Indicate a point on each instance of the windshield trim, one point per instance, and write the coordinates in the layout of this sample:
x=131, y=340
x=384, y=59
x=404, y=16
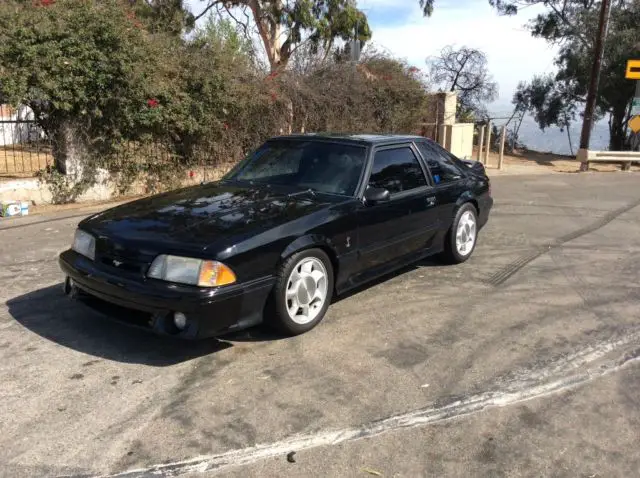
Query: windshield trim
x=231, y=175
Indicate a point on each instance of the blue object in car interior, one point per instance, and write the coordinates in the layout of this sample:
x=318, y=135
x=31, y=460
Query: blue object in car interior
x=436, y=178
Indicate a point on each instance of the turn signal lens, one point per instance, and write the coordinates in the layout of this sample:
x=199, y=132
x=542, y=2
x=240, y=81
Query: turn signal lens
x=214, y=274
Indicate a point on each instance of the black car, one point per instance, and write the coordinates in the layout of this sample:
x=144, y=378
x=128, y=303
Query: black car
x=299, y=220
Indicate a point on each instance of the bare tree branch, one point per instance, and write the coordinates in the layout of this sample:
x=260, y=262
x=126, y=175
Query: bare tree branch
x=245, y=26
x=464, y=71
x=207, y=9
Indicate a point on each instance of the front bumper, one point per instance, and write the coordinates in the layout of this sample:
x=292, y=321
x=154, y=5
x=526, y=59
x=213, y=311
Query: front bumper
x=210, y=312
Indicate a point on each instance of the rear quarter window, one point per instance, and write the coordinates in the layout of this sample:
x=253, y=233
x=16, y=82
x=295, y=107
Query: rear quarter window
x=443, y=166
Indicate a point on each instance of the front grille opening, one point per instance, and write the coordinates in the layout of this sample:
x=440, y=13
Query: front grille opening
x=133, y=317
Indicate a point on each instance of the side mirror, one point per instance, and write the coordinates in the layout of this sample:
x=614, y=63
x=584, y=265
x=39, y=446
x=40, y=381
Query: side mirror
x=376, y=195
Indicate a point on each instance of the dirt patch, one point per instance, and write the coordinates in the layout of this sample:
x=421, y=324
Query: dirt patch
x=525, y=162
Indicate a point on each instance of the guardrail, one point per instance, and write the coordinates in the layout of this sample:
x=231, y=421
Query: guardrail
x=624, y=158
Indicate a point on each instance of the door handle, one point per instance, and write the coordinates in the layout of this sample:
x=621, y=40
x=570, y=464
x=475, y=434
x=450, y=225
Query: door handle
x=431, y=201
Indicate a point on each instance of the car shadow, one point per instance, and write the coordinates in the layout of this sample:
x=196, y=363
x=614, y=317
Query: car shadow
x=50, y=314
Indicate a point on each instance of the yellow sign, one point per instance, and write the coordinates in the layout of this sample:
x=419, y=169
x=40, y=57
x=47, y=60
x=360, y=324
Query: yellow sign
x=633, y=70
x=634, y=124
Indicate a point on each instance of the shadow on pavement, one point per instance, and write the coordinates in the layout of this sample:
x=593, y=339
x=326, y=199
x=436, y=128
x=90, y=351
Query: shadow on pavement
x=73, y=324
x=50, y=314
x=427, y=262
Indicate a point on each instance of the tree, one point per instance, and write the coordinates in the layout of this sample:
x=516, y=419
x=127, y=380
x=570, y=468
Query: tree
x=96, y=78
x=223, y=35
x=545, y=99
x=572, y=25
x=427, y=7
x=283, y=25
x=83, y=67
x=502, y=5
x=464, y=71
x=163, y=16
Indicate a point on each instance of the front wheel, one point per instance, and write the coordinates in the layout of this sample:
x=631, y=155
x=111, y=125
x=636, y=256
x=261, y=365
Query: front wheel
x=461, y=239
x=303, y=291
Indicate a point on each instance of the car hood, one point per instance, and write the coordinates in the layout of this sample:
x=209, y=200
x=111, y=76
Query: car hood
x=198, y=217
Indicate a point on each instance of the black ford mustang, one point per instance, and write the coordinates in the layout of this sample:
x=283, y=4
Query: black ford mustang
x=299, y=220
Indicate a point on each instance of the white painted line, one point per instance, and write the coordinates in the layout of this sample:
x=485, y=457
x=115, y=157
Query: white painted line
x=524, y=386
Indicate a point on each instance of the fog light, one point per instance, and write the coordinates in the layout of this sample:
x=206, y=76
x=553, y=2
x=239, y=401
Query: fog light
x=180, y=320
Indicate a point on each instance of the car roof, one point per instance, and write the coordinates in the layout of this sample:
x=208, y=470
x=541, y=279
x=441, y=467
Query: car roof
x=367, y=139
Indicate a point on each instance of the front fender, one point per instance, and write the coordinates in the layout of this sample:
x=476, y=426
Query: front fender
x=306, y=242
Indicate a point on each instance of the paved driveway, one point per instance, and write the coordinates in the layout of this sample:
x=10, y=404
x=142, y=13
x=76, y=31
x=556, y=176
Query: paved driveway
x=521, y=362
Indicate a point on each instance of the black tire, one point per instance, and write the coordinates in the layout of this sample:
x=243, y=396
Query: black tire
x=451, y=254
x=279, y=315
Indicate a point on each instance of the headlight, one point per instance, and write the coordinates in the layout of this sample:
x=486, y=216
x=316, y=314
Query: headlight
x=85, y=244
x=185, y=270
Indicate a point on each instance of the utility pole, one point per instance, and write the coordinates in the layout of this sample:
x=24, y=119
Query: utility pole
x=587, y=123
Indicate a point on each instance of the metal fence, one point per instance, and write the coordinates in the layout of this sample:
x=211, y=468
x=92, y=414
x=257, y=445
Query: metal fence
x=24, y=147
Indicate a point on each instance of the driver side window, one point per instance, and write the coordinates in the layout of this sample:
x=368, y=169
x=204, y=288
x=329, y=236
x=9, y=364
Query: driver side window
x=396, y=170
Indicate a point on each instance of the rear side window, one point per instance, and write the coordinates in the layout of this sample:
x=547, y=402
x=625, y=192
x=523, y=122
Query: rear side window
x=442, y=167
x=396, y=170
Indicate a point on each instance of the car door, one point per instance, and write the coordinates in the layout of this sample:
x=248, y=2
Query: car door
x=448, y=181
x=403, y=225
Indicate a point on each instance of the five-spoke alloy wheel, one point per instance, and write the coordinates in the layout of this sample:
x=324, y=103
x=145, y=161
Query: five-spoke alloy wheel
x=303, y=291
x=461, y=239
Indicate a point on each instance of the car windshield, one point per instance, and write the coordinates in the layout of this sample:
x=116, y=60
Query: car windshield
x=321, y=166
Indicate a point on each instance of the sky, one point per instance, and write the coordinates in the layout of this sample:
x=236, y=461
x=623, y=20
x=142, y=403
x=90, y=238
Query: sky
x=513, y=54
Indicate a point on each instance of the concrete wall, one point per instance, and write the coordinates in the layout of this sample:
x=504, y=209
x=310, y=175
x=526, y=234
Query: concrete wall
x=24, y=190
x=459, y=140
x=33, y=190
x=449, y=107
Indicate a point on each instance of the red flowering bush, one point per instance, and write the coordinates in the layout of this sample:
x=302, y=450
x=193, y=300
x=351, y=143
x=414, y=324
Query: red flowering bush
x=179, y=101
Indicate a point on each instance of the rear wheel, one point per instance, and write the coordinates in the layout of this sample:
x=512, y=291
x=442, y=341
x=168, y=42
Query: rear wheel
x=462, y=237
x=303, y=291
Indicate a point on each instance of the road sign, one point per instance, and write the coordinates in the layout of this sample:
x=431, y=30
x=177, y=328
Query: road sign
x=633, y=70
x=634, y=124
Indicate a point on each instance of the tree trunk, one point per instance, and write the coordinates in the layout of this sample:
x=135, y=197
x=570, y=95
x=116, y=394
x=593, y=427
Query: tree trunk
x=569, y=138
x=70, y=150
x=270, y=31
x=617, y=129
x=568, y=126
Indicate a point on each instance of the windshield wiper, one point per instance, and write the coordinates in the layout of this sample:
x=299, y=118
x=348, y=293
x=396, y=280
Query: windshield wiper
x=299, y=193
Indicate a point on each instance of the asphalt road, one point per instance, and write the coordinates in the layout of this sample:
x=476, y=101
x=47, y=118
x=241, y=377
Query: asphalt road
x=521, y=362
